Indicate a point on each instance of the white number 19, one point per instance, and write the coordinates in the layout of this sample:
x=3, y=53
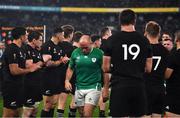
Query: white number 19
x=129, y=49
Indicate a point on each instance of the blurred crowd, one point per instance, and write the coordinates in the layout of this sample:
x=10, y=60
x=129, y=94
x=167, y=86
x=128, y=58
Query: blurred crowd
x=87, y=23
x=96, y=3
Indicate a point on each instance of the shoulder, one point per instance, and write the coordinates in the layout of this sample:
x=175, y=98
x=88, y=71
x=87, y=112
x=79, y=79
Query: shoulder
x=98, y=51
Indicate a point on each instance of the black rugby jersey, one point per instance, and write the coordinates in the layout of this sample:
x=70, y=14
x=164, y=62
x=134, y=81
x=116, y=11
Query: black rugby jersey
x=174, y=63
x=52, y=49
x=103, y=44
x=67, y=47
x=13, y=55
x=36, y=56
x=128, y=51
x=156, y=77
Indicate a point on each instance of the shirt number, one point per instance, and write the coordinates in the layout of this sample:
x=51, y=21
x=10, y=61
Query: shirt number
x=158, y=58
x=130, y=51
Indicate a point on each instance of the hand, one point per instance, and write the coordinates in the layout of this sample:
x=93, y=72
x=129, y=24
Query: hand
x=105, y=94
x=65, y=59
x=49, y=63
x=34, y=67
x=68, y=85
x=47, y=58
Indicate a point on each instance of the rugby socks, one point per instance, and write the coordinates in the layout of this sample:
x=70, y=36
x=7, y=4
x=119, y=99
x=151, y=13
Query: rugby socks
x=60, y=113
x=45, y=113
x=72, y=112
x=51, y=112
x=101, y=113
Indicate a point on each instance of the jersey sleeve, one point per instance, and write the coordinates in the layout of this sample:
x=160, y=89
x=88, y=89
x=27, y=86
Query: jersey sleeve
x=101, y=56
x=171, y=60
x=28, y=53
x=11, y=56
x=108, y=47
x=72, y=60
x=46, y=49
x=149, y=49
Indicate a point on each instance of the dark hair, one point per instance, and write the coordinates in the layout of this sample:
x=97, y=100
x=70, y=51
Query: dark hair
x=127, y=17
x=104, y=30
x=95, y=37
x=57, y=30
x=68, y=29
x=34, y=35
x=77, y=35
x=17, y=32
x=153, y=29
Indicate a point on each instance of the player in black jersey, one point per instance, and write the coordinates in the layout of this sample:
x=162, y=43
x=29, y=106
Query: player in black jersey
x=105, y=34
x=173, y=83
x=76, y=37
x=155, y=80
x=96, y=40
x=32, y=81
x=130, y=54
x=68, y=48
x=54, y=59
x=14, y=68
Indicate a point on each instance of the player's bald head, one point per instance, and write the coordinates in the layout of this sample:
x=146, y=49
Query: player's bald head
x=85, y=39
x=85, y=44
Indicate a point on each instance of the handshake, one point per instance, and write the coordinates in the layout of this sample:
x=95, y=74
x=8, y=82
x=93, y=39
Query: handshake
x=49, y=62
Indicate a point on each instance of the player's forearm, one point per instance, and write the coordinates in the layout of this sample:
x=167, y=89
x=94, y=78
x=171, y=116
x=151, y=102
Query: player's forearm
x=53, y=63
x=106, y=80
x=19, y=71
x=69, y=74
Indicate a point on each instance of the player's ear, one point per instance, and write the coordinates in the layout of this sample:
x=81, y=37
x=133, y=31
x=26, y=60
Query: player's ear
x=145, y=33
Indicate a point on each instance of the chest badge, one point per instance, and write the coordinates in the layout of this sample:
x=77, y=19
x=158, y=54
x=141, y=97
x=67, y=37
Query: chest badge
x=93, y=60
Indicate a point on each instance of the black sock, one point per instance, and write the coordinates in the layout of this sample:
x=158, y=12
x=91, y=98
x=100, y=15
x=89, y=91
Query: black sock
x=51, y=112
x=60, y=113
x=72, y=112
x=101, y=113
x=45, y=113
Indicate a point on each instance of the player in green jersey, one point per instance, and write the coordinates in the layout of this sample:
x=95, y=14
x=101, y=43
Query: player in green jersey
x=87, y=63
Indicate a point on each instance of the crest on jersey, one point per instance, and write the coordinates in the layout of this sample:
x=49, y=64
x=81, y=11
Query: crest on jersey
x=94, y=60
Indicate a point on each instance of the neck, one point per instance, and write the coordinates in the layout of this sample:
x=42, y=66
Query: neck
x=177, y=46
x=32, y=45
x=66, y=39
x=128, y=28
x=105, y=37
x=18, y=42
x=153, y=40
x=76, y=44
x=55, y=40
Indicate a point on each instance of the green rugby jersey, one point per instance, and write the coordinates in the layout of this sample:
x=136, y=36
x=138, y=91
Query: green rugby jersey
x=87, y=68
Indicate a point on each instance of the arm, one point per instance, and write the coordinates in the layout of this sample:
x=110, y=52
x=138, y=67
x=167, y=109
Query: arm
x=168, y=73
x=47, y=59
x=106, y=64
x=16, y=70
x=69, y=74
x=106, y=68
x=148, y=65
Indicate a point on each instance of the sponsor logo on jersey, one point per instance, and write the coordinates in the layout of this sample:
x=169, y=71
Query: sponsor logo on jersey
x=13, y=104
x=29, y=101
x=48, y=92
